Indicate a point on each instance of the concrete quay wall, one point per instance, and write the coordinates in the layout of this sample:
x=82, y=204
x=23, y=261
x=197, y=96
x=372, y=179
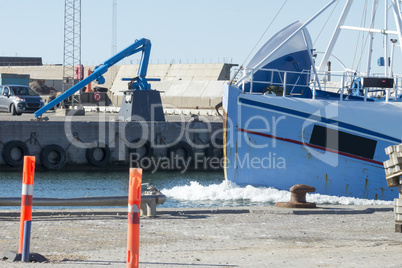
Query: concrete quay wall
x=71, y=144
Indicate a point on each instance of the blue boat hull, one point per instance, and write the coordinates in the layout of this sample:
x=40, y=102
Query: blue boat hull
x=279, y=142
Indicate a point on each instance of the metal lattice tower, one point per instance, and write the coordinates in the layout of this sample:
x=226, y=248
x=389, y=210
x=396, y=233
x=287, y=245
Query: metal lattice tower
x=72, y=46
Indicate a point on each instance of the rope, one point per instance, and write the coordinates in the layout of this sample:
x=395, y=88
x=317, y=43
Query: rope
x=241, y=66
x=330, y=15
x=365, y=42
x=362, y=22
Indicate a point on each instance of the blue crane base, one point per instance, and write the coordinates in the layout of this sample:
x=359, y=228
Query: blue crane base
x=141, y=105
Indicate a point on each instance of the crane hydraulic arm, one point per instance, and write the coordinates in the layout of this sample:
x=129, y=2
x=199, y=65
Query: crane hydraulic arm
x=143, y=45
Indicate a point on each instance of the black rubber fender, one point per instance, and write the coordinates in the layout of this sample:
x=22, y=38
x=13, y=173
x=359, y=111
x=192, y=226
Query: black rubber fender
x=104, y=160
x=146, y=144
x=53, y=156
x=181, y=145
x=141, y=155
x=214, y=149
x=7, y=153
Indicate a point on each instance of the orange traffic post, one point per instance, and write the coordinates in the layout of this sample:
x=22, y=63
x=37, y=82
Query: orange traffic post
x=26, y=198
x=133, y=227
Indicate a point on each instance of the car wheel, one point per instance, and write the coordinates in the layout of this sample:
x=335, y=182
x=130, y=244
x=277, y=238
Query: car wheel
x=13, y=110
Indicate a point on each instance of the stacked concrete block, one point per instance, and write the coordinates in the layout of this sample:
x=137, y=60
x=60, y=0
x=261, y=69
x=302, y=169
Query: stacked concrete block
x=187, y=86
x=393, y=174
x=398, y=214
x=393, y=166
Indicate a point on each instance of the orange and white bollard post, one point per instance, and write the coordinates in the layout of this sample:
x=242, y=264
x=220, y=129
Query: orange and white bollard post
x=26, y=198
x=133, y=227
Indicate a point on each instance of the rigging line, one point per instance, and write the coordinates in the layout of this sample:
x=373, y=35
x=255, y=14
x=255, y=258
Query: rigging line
x=363, y=19
x=330, y=15
x=241, y=66
x=272, y=21
x=368, y=35
x=261, y=37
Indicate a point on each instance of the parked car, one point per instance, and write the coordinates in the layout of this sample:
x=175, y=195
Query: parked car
x=18, y=99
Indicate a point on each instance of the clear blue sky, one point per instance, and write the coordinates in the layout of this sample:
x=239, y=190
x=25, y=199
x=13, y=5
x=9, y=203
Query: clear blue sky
x=201, y=31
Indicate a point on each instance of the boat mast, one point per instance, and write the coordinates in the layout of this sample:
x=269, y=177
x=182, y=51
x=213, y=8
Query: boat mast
x=335, y=36
x=398, y=21
x=371, y=30
x=391, y=65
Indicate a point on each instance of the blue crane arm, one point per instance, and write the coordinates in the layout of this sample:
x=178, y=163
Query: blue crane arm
x=143, y=45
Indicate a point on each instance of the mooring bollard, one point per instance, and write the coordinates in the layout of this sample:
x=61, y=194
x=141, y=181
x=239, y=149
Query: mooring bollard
x=298, y=197
x=26, y=198
x=150, y=199
x=133, y=226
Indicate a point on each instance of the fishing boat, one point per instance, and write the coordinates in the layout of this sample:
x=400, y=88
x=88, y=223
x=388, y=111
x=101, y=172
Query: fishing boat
x=290, y=119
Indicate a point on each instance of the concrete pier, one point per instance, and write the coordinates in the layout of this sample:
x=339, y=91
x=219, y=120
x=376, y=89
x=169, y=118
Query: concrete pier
x=99, y=140
x=329, y=236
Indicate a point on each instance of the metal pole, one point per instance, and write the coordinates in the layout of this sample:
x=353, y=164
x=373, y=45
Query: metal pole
x=391, y=71
x=397, y=17
x=342, y=86
x=26, y=242
x=100, y=201
x=335, y=35
x=386, y=39
x=284, y=83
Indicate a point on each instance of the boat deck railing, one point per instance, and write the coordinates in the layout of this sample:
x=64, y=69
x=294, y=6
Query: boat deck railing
x=340, y=84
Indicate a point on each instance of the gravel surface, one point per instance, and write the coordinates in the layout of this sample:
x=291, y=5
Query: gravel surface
x=330, y=236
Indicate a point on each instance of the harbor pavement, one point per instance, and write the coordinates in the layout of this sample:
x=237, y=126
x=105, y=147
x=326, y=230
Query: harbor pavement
x=329, y=236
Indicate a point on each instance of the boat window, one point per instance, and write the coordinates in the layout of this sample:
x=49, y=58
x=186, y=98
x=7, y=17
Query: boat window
x=343, y=142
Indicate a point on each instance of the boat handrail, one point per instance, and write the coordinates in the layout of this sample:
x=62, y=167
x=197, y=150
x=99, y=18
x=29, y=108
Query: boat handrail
x=340, y=82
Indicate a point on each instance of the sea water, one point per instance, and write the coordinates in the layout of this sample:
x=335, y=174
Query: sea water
x=190, y=189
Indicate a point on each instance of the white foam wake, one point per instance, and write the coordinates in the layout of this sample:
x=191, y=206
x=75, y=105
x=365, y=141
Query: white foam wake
x=229, y=191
